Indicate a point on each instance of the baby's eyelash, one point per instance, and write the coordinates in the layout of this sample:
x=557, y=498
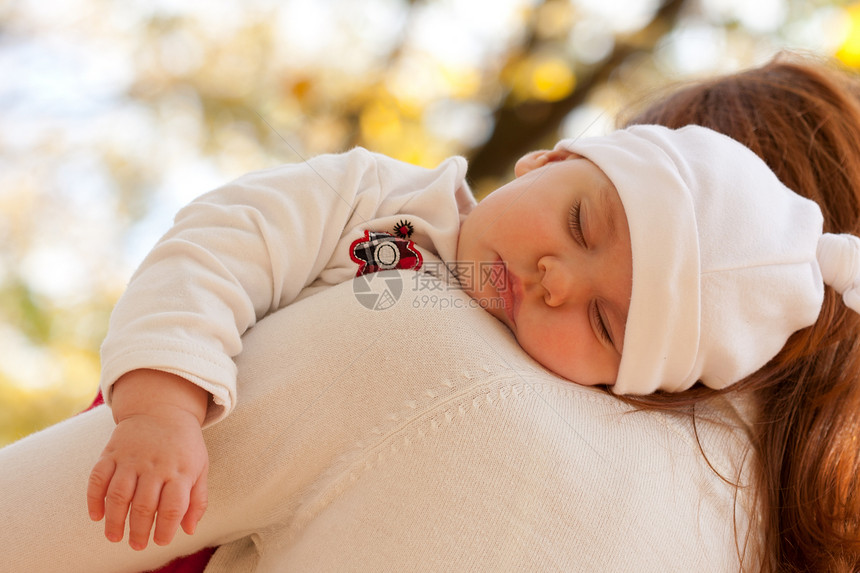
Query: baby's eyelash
x=602, y=331
x=574, y=222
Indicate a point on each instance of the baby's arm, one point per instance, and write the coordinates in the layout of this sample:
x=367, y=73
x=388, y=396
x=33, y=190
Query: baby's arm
x=154, y=466
x=233, y=256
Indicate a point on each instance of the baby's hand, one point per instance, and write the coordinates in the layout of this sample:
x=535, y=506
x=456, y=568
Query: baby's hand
x=154, y=466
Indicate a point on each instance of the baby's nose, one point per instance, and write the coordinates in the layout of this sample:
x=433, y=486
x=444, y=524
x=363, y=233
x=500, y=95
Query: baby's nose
x=557, y=280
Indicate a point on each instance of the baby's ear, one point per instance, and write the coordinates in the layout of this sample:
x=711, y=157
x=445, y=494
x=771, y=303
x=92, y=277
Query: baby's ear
x=536, y=159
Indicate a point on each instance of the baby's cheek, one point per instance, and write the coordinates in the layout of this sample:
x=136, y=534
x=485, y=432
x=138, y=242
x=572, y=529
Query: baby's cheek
x=572, y=357
x=542, y=348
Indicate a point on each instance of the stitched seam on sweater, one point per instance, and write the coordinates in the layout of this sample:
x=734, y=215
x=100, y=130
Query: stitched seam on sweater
x=365, y=456
x=403, y=433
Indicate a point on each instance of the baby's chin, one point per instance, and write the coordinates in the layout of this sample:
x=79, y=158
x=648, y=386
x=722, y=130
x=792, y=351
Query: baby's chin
x=491, y=306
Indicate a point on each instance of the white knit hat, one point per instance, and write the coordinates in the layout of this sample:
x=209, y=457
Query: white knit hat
x=726, y=261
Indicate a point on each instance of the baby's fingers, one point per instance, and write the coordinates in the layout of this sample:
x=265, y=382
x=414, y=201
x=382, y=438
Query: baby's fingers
x=117, y=501
x=97, y=487
x=142, y=511
x=171, y=509
x=197, y=506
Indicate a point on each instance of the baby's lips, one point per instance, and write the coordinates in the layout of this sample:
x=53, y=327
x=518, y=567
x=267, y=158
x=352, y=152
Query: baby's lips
x=497, y=275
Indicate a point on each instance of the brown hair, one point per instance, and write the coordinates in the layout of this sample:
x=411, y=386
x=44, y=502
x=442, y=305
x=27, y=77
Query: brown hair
x=803, y=119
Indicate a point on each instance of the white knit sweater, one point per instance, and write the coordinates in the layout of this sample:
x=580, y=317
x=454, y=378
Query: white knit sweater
x=414, y=438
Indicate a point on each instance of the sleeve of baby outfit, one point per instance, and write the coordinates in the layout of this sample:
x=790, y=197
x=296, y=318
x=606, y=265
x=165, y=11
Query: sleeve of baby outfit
x=243, y=251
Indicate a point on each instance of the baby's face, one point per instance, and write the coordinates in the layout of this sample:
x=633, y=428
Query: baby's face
x=559, y=233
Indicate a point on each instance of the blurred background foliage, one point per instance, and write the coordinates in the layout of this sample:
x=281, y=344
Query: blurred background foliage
x=114, y=114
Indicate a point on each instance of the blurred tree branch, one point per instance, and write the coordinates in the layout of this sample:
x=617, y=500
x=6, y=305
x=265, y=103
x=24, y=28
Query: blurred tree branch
x=521, y=127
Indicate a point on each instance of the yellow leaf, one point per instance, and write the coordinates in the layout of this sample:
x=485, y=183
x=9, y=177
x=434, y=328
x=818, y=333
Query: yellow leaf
x=552, y=79
x=849, y=51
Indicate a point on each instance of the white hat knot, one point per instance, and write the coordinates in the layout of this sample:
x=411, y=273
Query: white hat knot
x=839, y=259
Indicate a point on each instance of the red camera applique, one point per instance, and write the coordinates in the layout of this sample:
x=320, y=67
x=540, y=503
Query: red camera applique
x=379, y=251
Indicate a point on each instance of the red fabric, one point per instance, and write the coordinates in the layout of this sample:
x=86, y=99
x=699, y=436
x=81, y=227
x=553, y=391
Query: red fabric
x=98, y=401
x=194, y=563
